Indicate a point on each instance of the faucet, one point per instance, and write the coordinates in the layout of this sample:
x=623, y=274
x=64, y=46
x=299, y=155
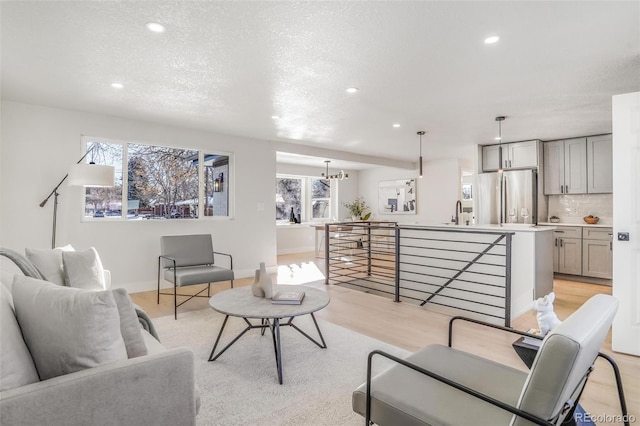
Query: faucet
x=458, y=210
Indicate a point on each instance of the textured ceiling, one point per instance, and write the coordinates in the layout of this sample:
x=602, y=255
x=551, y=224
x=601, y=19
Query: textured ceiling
x=229, y=67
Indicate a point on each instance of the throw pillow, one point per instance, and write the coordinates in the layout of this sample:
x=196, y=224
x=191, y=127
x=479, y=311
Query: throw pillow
x=67, y=329
x=16, y=365
x=129, y=324
x=83, y=269
x=48, y=262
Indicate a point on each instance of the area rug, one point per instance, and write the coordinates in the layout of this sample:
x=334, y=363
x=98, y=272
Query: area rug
x=241, y=387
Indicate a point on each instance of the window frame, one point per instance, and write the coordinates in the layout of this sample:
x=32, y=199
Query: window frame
x=85, y=140
x=306, y=210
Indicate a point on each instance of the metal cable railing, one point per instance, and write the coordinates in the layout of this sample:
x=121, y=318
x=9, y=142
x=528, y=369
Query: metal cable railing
x=466, y=270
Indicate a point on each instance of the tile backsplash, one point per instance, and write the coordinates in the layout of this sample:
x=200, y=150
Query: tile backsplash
x=571, y=208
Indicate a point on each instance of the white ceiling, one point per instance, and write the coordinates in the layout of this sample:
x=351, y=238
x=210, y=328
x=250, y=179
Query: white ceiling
x=228, y=67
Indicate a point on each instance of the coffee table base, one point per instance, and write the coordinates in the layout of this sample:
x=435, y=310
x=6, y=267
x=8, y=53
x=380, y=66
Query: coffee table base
x=274, y=326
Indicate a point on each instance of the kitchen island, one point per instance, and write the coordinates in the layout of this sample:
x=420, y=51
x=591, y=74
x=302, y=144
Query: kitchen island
x=531, y=260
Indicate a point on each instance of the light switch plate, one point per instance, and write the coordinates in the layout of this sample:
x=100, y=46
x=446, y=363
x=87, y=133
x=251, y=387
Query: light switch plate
x=623, y=236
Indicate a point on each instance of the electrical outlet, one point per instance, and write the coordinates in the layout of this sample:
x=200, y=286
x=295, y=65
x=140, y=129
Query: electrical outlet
x=623, y=236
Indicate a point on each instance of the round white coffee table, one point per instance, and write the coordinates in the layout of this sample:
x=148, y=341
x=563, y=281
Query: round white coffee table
x=240, y=302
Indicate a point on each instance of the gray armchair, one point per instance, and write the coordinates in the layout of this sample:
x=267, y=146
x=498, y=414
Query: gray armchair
x=441, y=385
x=188, y=260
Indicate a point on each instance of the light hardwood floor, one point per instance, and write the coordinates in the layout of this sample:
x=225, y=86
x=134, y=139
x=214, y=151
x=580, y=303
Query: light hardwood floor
x=412, y=327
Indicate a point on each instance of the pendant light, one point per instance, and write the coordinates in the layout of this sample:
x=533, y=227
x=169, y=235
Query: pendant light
x=340, y=176
x=500, y=119
x=420, y=133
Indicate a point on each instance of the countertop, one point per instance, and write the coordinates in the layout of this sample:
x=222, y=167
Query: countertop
x=583, y=224
x=513, y=227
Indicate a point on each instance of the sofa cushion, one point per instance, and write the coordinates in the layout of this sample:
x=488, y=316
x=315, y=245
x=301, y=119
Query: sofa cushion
x=129, y=324
x=83, y=269
x=67, y=329
x=16, y=365
x=48, y=262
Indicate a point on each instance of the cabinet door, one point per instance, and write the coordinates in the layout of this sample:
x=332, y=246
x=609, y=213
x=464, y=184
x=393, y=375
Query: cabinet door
x=599, y=164
x=523, y=155
x=556, y=254
x=575, y=166
x=597, y=258
x=490, y=158
x=570, y=256
x=553, y=167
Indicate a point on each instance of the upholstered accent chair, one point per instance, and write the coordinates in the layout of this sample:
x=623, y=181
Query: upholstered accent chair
x=442, y=385
x=189, y=260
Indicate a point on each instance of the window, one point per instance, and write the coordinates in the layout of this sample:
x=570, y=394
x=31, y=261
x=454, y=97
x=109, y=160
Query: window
x=309, y=197
x=161, y=182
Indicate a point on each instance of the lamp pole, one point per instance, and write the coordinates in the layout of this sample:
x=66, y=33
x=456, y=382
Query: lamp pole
x=55, y=194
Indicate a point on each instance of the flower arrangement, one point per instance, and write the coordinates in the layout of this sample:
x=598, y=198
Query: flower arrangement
x=358, y=209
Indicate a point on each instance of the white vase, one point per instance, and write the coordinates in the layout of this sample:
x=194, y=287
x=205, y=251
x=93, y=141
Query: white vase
x=255, y=285
x=265, y=282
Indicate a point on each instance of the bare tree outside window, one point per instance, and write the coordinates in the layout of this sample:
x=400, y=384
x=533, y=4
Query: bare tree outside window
x=288, y=195
x=161, y=182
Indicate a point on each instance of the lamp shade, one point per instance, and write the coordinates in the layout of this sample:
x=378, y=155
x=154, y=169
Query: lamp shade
x=91, y=175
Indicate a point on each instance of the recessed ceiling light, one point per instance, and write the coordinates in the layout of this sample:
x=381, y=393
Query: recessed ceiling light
x=491, y=40
x=396, y=125
x=117, y=85
x=497, y=138
x=275, y=117
x=155, y=27
x=352, y=90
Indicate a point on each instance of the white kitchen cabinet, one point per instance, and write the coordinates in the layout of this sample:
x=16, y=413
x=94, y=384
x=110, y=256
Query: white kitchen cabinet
x=490, y=158
x=567, y=250
x=565, y=166
x=516, y=155
x=597, y=252
x=599, y=164
x=522, y=155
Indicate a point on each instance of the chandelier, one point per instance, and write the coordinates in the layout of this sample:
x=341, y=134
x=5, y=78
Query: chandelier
x=340, y=176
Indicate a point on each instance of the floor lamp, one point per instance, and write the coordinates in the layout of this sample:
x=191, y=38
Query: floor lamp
x=80, y=175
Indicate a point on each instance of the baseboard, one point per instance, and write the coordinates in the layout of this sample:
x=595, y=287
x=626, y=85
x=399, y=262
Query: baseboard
x=582, y=279
x=296, y=250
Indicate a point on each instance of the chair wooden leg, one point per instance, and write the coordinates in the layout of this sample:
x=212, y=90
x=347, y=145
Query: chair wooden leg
x=231, y=283
x=208, y=289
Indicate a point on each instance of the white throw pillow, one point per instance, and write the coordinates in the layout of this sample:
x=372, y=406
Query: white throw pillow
x=48, y=262
x=67, y=329
x=129, y=325
x=16, y=365
x=83, y=269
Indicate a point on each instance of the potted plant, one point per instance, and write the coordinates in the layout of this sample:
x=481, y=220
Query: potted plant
x=358, y=209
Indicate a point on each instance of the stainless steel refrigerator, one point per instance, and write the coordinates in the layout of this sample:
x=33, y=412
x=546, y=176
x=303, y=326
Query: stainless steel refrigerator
x=508, y=197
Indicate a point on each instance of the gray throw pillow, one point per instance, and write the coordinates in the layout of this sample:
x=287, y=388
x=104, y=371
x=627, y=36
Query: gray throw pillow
x=48, y=262
x=16, y=365
x=83, y=269
x=67, y=329
x=129, y=325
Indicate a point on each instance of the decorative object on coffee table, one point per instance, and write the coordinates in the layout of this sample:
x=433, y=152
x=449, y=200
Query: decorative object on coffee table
x=265, y=282
x=256, y=289
x=288, y=298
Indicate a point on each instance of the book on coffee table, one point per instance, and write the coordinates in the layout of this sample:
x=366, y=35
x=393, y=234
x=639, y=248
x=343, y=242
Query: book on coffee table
x=288, y=298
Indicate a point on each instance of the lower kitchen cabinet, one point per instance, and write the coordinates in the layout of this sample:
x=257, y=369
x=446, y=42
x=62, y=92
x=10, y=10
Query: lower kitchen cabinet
x=583, y=251
x=569, y=256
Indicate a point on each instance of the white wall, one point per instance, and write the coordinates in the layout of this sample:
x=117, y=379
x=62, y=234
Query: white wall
x=38, y=146
x=436, y=192
x=626, y=218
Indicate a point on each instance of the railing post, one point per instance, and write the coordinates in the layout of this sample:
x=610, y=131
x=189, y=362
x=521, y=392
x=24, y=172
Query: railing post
x=397, y=265
x=507, y=283
x=326, y=253
x=369, y=249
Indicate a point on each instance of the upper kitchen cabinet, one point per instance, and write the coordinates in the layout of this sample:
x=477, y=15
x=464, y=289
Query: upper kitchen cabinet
x=517, y=155
x=578, y=166
x=565, y=166
x=599, y=164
